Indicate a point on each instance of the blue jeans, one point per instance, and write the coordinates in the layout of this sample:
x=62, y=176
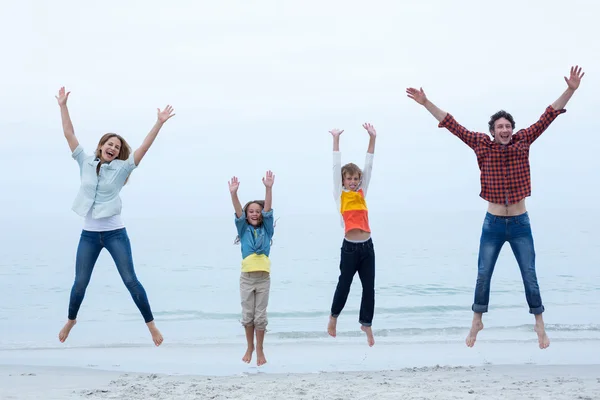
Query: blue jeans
x=356, y=257
x=517, y=232
x=118, y=245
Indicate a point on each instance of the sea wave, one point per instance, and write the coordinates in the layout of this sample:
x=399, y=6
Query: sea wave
x=184, y=315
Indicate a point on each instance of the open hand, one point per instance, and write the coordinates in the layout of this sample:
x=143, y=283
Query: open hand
x=417, y=95
x=575, y=77
x=164, y=115
x=62, y=97
x=370, y=128
x=234, y=184
x=336, y=132
x=269, y=179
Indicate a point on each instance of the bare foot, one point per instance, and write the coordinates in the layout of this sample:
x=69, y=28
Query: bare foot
x=260, y=357
x=64, y=332
x=543, y=339
x=248, y=356
x=331, y=326
x=156, y=336
x=369, y=332
x=472, y=337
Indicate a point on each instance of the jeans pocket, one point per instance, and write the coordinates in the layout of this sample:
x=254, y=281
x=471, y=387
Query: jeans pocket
x=348, y=250
x=524, y=220
x=488, y=223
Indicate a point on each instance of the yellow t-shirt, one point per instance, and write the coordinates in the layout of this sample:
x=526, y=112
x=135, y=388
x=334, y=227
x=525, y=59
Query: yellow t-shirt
x=256, y=262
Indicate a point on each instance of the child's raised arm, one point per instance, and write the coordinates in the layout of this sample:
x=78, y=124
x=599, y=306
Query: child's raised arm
x=337, y=164
x=368, y=168
x=372, y=136
x=234, y=184
x=268, y=180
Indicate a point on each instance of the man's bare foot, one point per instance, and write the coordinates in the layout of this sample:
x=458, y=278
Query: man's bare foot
x=472, y=337
x=248, y=356
x=156, y=336
x=543, y=339
x=260, y=357
x=369, y=332
x=331, y=327
x=64, y=332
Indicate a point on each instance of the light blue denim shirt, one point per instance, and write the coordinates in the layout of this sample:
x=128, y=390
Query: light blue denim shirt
x=255, y=240
x=100, y=192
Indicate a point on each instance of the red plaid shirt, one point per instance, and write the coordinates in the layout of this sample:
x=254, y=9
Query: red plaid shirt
x=505, y=175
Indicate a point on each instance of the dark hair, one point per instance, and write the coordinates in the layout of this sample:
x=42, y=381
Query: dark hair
x=497, y=116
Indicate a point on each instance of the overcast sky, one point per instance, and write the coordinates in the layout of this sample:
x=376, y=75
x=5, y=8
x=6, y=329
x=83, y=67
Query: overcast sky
x=256, y=85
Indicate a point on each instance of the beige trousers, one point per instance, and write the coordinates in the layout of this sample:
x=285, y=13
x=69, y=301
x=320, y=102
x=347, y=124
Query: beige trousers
x=254, y=292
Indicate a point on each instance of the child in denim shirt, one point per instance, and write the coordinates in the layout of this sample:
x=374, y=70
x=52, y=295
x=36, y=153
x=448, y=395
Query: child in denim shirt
x=254, y=225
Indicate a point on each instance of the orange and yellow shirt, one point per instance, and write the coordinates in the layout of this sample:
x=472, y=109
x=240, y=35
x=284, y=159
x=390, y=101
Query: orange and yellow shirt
x=352, y=204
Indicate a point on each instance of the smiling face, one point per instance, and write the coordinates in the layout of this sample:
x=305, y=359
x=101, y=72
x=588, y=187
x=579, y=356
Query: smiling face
x=112, y=147
x=254, y=214
x=501, y=127
x=110, y=150
x=503, y=130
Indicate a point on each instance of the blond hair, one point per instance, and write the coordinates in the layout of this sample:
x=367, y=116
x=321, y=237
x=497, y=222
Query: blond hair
x=351, y=169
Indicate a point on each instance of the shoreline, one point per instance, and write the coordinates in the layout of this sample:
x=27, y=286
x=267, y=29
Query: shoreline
x=303, y=357
x=437, y=382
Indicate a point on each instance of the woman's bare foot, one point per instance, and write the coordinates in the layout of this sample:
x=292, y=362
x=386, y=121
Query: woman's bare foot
x=64, y=332
x=156, y=335
x=369, y=332
x=543, y=339
x=248, y=356
x=260, y=356
x=331, y=326
x=475, y=328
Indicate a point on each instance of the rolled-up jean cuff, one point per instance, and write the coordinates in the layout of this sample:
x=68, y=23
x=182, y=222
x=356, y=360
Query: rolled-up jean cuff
x=537, y=310
x=479, y=308
x=365, y=323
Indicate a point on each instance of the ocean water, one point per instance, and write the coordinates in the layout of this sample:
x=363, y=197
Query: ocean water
x=425, y=277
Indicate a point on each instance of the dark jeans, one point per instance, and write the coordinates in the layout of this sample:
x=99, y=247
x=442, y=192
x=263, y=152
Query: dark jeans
x=517, y=232
x=356, y=257
x=117, y=244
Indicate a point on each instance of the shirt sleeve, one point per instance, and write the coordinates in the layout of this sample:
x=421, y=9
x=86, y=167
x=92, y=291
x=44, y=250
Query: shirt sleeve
x=79, y=155
x=366, y=173
x=471, y=139
x=241, y=223
x=124, y=167
x=268, y=222
x=337, y=175
x=129, y=164
x=530, y=134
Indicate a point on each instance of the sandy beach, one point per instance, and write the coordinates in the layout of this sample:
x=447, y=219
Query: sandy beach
x=580, y=382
